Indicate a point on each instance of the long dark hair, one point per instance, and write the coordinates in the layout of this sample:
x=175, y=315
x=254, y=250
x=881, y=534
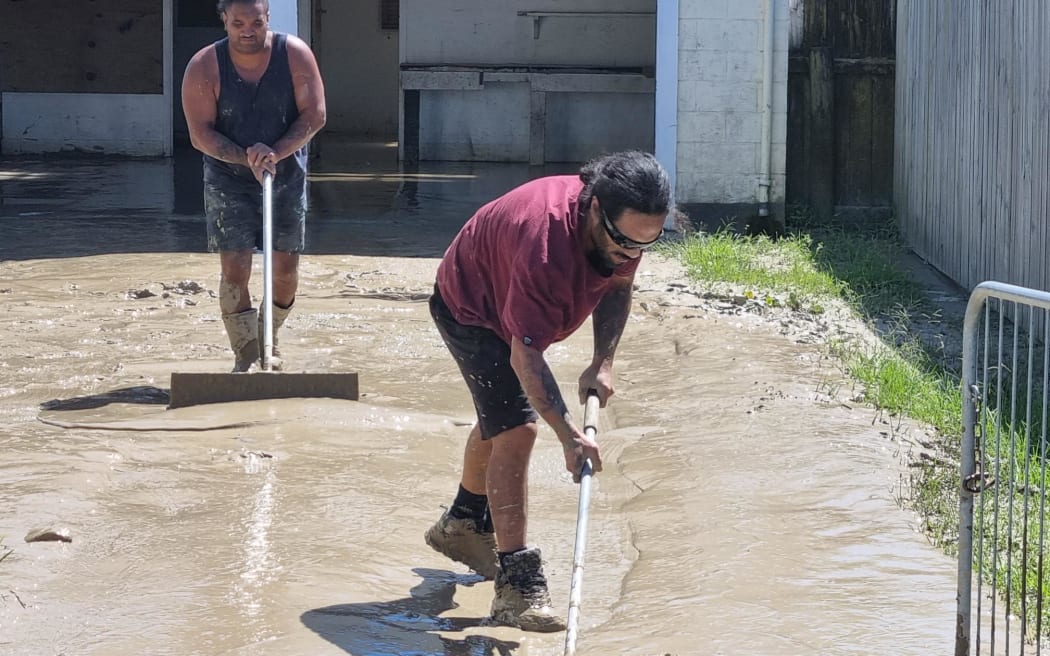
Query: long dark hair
x=630, y=179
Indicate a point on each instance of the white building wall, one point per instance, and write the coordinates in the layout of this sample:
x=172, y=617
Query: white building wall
x=122, y=124
x=110, y=123
x=528, y=33
x=509, y=96
x=116, y=124
x=721, y=48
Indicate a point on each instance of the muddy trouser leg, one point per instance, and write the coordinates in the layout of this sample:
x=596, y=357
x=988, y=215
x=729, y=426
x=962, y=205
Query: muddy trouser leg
x=242, y=329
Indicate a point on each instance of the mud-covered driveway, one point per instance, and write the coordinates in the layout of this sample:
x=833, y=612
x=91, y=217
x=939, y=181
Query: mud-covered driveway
x=746, y=506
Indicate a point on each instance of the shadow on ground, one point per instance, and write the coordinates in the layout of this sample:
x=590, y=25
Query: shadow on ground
x=906, y=301
x=140, y=395
x=409, y=625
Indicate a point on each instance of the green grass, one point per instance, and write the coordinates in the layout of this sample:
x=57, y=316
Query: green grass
x=758, y=262
x=905, y=377
x=904, y=380
x=5, y=550
x=866, y=265
x=859, y=269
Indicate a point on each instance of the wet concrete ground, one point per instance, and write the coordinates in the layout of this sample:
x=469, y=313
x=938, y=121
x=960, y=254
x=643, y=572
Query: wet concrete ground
x=744, y=508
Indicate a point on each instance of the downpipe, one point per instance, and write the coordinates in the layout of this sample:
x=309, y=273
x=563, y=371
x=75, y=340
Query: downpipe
x=765, y=181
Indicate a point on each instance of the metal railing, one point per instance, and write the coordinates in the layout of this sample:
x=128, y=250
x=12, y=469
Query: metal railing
x=1004, y=582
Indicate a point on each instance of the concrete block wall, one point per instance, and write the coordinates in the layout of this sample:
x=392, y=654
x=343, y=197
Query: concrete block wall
x=493, y=32
x=121, y=111
x=110, y=123
x=540, y=113
x=720, y=66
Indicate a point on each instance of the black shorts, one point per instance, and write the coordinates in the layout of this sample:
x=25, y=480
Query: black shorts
x=233, y=209
x=484, y=360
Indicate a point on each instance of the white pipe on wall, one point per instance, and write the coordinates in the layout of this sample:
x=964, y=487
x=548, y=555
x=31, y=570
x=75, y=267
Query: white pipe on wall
x=765, y=181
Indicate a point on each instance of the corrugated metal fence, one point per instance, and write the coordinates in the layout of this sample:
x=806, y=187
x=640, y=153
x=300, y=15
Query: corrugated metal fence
x=972, y=137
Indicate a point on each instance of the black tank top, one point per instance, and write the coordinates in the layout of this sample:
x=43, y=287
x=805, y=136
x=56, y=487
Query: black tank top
x=257, y=113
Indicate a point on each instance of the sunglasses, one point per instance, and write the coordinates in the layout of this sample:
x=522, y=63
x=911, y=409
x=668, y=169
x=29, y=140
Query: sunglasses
x=622, y=240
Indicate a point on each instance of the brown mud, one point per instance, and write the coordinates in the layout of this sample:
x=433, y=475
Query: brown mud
x=748, y=504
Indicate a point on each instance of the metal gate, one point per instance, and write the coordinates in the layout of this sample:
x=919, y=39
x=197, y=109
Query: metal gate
x=1004, y=579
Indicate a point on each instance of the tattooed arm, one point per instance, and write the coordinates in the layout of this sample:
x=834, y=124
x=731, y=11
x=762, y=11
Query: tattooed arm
x=539, y=385
x=309, y=99
x=200, y=95
x=609, y=319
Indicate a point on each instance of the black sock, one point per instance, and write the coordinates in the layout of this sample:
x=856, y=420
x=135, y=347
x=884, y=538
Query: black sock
x=468, y=505
x=504, y=554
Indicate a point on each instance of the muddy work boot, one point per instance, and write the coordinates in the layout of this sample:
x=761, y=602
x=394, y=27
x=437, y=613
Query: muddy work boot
x=241, y=329
x=462, y=541
x=522, y=599
x=279, y=316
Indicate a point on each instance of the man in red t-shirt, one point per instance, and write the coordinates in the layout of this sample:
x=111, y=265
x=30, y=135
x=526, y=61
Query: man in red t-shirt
x=526, y=271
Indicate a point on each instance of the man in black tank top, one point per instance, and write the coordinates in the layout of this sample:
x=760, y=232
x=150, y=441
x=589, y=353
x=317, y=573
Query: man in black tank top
x=252, y=102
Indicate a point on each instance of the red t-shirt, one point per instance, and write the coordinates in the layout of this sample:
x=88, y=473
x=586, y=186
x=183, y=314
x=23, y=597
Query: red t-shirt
x=519, y=265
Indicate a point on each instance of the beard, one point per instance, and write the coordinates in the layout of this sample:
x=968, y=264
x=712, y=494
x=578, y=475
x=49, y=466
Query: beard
x=601, y=262
x=248, y=47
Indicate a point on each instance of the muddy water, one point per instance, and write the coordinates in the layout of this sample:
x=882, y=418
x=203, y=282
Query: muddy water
x=742, y=510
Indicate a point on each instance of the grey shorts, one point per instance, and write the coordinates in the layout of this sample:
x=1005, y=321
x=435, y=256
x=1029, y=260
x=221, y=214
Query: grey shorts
x=233, y=209
x=484, y=360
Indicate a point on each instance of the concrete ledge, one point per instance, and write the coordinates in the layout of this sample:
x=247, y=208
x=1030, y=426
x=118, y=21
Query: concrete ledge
x=467, y=80
x=552, y=80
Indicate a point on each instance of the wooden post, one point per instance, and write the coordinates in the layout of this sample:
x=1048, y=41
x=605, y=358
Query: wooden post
x=820, y=133
x=411, y=148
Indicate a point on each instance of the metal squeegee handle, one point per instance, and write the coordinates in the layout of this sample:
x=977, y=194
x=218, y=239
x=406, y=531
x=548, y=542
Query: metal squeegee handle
x=267, y=300
x=590, y=429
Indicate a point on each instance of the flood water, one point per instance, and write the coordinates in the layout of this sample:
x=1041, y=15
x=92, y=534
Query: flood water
x=743, y=509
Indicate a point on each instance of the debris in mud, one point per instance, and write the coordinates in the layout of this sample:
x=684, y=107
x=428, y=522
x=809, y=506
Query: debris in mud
x=185, y=287
x=21, y=603
x=257, y=454
x=49, y=535
x=253, y=461
x=134, y=294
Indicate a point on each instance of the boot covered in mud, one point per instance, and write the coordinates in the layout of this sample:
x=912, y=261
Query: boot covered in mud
x=279, y=316
x=522, y=598
x=465, y=542
x=242, y=329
